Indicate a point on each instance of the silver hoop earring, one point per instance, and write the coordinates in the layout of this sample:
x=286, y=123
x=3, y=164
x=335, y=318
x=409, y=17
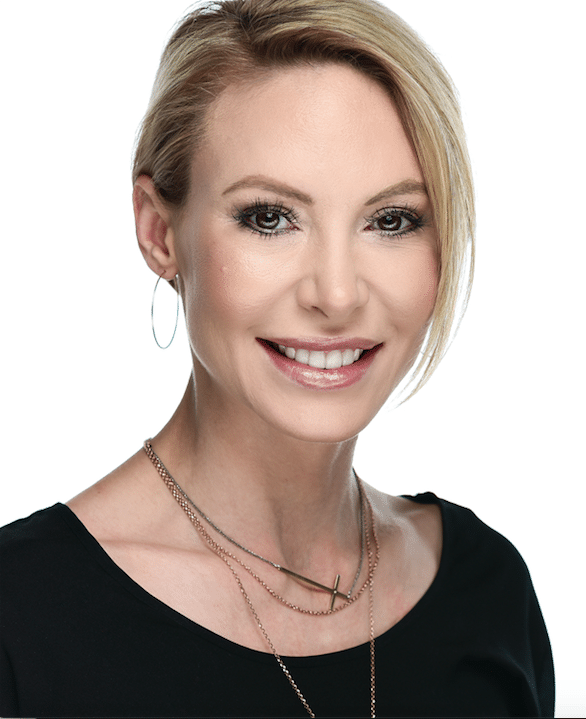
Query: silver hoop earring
x=153, y=316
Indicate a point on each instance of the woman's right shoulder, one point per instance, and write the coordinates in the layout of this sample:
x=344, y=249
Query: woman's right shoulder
x=50, y=524
x=33, y=549
x=125, y=504
x=26, y=534
x=57, y=529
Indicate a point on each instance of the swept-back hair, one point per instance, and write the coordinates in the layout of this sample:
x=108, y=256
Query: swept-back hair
x=221, y=43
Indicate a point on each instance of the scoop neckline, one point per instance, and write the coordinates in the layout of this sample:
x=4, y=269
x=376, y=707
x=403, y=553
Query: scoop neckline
x=100, y=555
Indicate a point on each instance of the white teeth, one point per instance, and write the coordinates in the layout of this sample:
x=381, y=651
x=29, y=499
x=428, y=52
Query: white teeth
x=334, y=359
x=320, y=359
x=317, y=360
x=302, y=356
x=347, y=357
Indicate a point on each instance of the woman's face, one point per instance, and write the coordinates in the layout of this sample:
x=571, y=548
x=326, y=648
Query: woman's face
x=307, y=242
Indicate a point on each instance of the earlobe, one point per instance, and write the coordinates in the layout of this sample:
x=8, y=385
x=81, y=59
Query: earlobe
x=153, y=228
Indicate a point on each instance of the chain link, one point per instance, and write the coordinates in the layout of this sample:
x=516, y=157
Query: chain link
x=186, y=504
x=269, y=561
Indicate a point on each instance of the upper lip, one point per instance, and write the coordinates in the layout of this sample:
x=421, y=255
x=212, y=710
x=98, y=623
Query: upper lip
x=325, y=344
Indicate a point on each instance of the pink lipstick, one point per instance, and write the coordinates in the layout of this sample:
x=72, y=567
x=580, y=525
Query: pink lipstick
x=320, y=378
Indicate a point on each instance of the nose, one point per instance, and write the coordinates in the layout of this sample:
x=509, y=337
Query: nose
x=332, y=282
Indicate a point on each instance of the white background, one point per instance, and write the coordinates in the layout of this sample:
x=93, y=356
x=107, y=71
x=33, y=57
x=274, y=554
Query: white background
x=499, y=428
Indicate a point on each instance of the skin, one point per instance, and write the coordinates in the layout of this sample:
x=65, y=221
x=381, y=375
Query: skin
x=267, y=458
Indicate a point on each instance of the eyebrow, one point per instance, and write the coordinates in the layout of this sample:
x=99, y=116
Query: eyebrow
x=405, y=187
x=266, y=183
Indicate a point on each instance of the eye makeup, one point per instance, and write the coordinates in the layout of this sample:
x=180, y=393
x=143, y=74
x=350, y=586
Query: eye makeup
x=265, y=218
x=397, y=214
x=271, y=219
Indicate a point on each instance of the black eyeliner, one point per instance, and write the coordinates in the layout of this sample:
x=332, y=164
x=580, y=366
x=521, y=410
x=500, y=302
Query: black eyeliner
x=243, y=214
x=417, y=220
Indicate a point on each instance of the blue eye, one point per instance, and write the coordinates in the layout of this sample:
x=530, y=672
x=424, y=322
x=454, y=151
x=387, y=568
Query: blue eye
x=265, y=219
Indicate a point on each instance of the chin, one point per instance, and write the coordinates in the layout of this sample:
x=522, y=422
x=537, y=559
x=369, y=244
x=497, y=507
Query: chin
x=320, y=426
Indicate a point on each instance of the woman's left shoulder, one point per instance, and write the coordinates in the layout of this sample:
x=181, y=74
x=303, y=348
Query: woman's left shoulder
x=451, y=531
x=389, y=509
x=419, y=524
x=475, y=549
x=424, y=516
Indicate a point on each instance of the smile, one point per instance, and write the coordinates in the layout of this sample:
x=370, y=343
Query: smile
x=320, y=359
x=326, y=365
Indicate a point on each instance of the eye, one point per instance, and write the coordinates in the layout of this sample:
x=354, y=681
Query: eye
x=391, y=223
x=396, y=222
x=266, y=219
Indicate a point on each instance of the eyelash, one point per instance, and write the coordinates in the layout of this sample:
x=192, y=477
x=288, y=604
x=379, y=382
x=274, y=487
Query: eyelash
x=406, y=212
x=243, y=218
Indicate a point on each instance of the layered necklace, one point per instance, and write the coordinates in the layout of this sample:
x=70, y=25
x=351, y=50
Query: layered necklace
x=195, y=515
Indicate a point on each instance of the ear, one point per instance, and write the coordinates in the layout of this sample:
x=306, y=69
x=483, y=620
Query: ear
x=153, y=229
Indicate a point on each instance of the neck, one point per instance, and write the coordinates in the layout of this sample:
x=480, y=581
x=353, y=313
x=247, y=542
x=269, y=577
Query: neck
x=291, y=501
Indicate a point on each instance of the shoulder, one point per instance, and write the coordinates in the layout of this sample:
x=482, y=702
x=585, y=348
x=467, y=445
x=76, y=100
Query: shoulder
x=52, y=570
x=479, y=562
x=42, y=561
x=471, y=551
x=33, y=548
x=31, y=534
x=469, y=539
x=465, y=531
x=127, y=505
x=419, y=524
x=482, y=576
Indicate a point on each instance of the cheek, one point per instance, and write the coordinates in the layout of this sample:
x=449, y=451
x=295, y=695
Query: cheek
x=412, y=288
x=227, y=286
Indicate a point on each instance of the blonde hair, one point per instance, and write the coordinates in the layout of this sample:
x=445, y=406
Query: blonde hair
x=221, y=43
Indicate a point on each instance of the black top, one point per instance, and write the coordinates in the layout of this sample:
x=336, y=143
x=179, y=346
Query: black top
x=82, y=639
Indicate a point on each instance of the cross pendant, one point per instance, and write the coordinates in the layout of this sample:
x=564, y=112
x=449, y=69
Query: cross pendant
x=333, y=590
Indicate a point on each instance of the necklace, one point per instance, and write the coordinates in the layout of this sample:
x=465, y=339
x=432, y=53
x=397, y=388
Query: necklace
x=186, y=504
x=170, y=480
x=312, y=583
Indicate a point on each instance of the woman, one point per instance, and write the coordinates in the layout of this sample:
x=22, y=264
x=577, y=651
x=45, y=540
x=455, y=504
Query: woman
x=302, y=181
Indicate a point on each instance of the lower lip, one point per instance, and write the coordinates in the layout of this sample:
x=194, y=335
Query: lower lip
x=321, y=379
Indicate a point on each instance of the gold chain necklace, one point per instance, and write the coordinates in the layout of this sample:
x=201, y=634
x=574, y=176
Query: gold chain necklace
x=186, y=504
x=168, y=478
x=305, y=580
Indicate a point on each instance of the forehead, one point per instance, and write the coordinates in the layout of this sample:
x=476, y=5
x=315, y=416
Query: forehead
x=318, y=127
